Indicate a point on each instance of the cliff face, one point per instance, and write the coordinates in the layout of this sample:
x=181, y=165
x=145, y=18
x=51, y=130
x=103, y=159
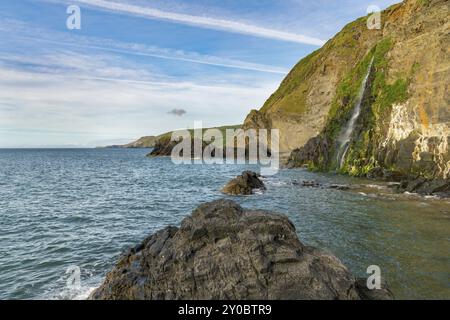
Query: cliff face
x=163, y=144
x=300, y=105
x=404, y=123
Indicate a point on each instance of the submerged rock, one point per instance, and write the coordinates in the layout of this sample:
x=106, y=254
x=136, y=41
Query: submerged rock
x=163, y=147
x=244, y=184
x=222, y=251
x=315, y=184
x=310, y=183
x=366, y=294
x=342, y=187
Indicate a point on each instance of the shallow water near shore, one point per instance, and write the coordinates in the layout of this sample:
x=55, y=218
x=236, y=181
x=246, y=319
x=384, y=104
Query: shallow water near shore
x=84, y=207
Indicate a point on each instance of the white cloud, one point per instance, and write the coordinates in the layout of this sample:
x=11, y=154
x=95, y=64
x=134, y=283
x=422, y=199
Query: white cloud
x=72, y=109
x=163, y=53
x=66, y=95
x=204, y=22
x=31, y=34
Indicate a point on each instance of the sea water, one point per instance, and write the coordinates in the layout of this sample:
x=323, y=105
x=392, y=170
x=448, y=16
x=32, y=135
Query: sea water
x=65, y=208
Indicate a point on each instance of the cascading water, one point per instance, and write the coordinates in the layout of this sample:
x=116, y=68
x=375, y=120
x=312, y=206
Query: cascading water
x=344, y=138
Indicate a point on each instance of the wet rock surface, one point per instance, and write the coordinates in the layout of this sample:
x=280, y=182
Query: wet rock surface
x=423, y=186
x=222, y=251
x=244, y=184
x=367, y=294
x=315, y=184
x=311, y=152
x=163, y=147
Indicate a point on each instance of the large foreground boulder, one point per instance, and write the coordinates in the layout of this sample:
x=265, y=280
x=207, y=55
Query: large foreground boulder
x=244, y=184
x=222, y=251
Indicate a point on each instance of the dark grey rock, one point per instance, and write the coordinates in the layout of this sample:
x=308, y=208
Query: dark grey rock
x=342, y=187
x=244, y=184
x=373, y=294
x=315, y=184
x=222, y=251
x=423, y=186
x=310, y=184
x=316, y=150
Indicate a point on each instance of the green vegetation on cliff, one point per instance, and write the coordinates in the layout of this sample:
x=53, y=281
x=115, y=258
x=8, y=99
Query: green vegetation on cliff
x=377, y=104
x=378, y=98
x=168, y=135
x=151, y=141
x=402, y=128
x=298, y=108
x=345, y=98
x=291, y=95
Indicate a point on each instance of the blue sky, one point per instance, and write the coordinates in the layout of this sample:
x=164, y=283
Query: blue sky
x=135, y=61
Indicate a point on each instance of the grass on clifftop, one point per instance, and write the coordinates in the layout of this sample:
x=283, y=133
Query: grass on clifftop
x=423, y=2
x=291, y=95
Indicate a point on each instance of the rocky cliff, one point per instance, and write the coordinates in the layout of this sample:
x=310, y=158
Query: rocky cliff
x=222, y=251
x=404, y=125
x=163, y=143
x=143, y=142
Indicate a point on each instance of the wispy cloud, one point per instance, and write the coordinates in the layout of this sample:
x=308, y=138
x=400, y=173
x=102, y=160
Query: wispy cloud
x=162, y=53
x=204, y=22
x=26, y=33
x=74, y=89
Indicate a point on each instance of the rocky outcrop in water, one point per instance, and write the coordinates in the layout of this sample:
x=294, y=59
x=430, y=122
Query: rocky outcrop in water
x=222, y=251
x=163, y=147
x=404, y=121
x=367, y=294
x=422, y=186
x=244, y=184
x=164, y=144
x=315, y=184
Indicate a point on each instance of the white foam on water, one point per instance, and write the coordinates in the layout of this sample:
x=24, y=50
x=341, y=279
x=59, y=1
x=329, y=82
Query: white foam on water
x=375, y=186
x=84, y=294
x=258, y=191
x=276, y=183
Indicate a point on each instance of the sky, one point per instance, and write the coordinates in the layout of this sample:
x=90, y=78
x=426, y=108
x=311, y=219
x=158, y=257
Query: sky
x=144, y=67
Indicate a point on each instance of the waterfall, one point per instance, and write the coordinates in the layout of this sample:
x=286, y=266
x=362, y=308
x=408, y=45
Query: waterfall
x=344, y=138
